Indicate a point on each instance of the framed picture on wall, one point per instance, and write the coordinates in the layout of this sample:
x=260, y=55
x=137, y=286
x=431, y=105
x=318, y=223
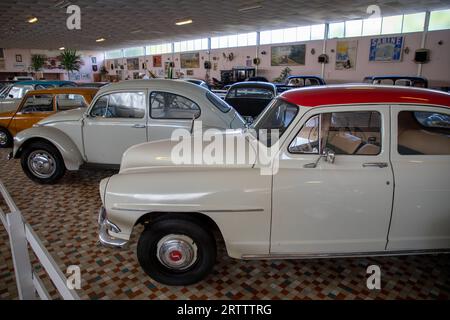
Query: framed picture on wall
x=190, y=60
x=291, y=55
x=133, y=64
x=346, y=54
x=94, y=68
x=189, y=72
x=94, y=60
x=18, y=58
x=157, y=61
x=386, y=49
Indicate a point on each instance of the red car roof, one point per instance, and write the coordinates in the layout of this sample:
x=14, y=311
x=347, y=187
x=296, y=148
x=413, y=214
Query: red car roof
x=357, y=94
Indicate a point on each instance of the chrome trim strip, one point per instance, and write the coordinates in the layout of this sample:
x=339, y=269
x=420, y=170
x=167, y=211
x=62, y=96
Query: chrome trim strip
x=233, y=210
x=342, y=255
x=199, y=210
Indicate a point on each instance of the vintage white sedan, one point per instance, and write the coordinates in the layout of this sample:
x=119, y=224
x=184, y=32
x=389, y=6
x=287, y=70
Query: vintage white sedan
x=361, y=170
x=121, y=115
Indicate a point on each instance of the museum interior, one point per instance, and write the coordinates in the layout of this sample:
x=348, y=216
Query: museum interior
x=350, y=200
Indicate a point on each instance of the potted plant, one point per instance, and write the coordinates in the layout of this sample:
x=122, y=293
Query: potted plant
x=285, y=73
x=37, y=63
x=70, y=60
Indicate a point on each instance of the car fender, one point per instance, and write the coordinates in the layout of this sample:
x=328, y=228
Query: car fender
x=244, y=221
x=69, y=151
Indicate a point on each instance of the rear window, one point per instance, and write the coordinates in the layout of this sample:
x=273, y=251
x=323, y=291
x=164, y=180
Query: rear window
x=218, y=103
x=423, y=133
x=261, y=93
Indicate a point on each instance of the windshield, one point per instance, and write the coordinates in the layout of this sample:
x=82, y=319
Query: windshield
x=275, y=119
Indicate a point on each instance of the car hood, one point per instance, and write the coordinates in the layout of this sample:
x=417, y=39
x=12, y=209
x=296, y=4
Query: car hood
x=170, y=154
x=69, y=115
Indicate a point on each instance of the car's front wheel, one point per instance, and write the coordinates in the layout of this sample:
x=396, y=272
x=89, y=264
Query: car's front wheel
x=42, y=163
x=176, y=251
x=6, y=139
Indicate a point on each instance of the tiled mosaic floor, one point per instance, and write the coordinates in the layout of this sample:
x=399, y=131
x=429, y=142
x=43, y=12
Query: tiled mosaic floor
x=64, y=217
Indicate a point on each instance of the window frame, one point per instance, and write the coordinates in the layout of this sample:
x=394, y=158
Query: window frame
x=91, y=106
x=159, y=91
x=75, y=94
x=26, y=97
x=413, y=109
x=320, y=114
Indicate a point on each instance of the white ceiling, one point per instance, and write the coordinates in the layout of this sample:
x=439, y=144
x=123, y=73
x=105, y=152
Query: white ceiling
x=138, y=22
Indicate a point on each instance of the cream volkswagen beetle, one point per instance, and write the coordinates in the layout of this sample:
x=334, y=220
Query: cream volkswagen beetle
x=121, y=115
x=361, y=170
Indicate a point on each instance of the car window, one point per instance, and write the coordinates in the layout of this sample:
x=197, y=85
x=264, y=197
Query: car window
x=166, y=105
x=307, y=140
x=99, y=109
x=388, y=82
x=261, y=93
x=17, y=92
x=217, y=102
x=296, y=82
x=403, y=82
x=275, y=120
x=423, y=133
x=311, y=82
x=44, y=86
x=38, y=103
x=345, y=133
x=70, y=101
x=126, y=105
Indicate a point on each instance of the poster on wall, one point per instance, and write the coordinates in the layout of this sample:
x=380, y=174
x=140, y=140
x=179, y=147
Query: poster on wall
x=74, y=76
x=386, y=49
x=291, y=55
x=133, y=64
x=157, y=61
x=52, y=63
x=190, y=60
x=346, y=54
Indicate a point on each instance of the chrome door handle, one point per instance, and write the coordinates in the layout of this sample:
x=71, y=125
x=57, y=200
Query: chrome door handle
x=138, y=125
x=375, y=164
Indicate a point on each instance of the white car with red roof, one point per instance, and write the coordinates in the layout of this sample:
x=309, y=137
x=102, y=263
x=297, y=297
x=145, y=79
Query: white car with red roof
x=361, y=171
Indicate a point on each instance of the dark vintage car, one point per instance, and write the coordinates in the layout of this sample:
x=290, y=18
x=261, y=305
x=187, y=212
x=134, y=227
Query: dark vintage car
x=293, y=82
x=398, y=81
x=250, y=98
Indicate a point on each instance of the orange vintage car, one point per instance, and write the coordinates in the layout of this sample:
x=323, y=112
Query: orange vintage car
x=39, y=104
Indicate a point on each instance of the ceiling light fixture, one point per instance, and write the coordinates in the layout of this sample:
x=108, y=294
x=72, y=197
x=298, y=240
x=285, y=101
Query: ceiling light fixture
x=100, y=40
x=32, y=20
x=183, y=22
x=250, y=8
x=62, y=48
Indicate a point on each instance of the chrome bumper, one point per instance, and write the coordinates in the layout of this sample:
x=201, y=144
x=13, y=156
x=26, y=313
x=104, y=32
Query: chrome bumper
x=103, y=235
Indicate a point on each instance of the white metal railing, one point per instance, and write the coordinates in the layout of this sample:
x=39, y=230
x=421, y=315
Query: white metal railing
x=20, y=235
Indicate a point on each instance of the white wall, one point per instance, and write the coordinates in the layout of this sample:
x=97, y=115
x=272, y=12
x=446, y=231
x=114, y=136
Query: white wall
x=12, y=66
x=437, y=70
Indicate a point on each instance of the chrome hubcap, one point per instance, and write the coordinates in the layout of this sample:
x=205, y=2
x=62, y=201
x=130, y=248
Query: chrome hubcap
x=176, y=251
x=41, y=163
x=3, y=138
